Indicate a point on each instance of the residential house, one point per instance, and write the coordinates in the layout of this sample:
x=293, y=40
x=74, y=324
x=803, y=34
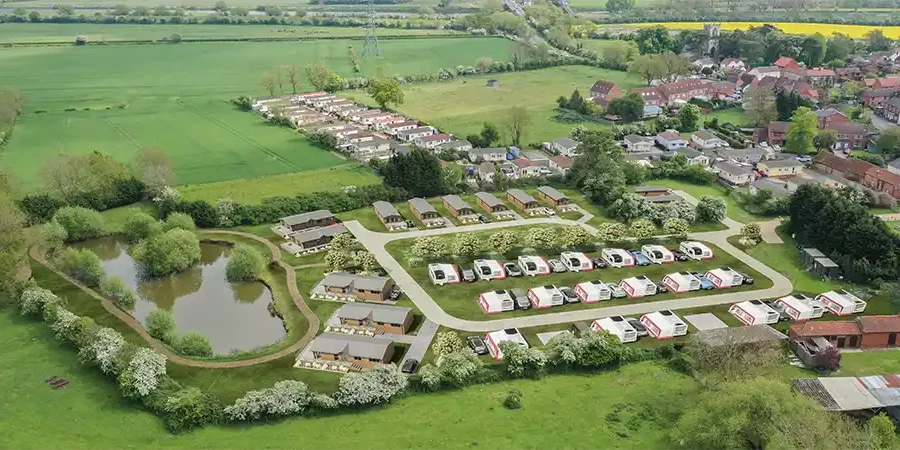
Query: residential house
x=459, y=145
x=863, y=332
x=788, y=66
x=526, y=168
x=765, y=72
x=424, y=211
x=780, y=168
x=777, y=133
x=388, y=215
x=384, y=318
x=490, y=203
x=334, y=107
x=380, y=124
x=521, y=199
x=850, y=135
x=821, y=76
x=638, y=144
x=671, y=140
x=564, y=146
x=705, y=140
x=849, y=168
x=651, y=95
x=487, y=154
x=876, y=98
x=304, y=95
x=359, y=287
x=685, y=89
x=347, y=110
x=552, y=197
x=318, y=237
x=882, y=83
x=414, y=133
x=732, y=174
x=891, y=110
x=695, y=156
x=562, y=163
x=703, y=63
x=486, y=171
x=830, y=116
x=459, y=207
x=394, y=128
x=536, y=156
x=355, y=138
x=372, y=117
x=603, y=92
x=362, y=351
x=882, y=180
x=433, y=141
x=375, y=147
x=745, y=155
x=305, y=221
x=733, y=65
x=849, y=74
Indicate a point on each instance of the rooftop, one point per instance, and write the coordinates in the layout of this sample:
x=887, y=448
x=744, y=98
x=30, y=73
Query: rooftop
x=378, y=313
x=319, y=233
x=359, y=346
x=456, y=202
x=521, y=195
x=489, y=199
x=551, y=192
x=830, y=328
x=346, y=280
x=385, y=209
x=306, y=217
x=421, y=205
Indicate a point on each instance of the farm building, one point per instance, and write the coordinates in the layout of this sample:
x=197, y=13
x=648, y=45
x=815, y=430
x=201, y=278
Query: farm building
x=754, y=312
x=494, y=339
x=362, y=351
x=841, y=303
x=800, y=307
x=825, y=267
x=658, y=254
x=459, y=208
x=385, y=318
x=533, y=265
x=576, y=261
x=724, y=277
x=593, y=291
x=680, y=282
x=495, y=301
x=695, y=250
x=637, y=287
x=616, y=326
x=389, y=216
x=521, y=199
x=664, y=324
x=617, y=257
x=425, y=212
x=443, y=273
x=489, y=269
x=545, y=296
x=361, y=287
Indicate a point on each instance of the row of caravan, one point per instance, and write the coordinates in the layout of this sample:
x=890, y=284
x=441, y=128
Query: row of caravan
x=797, y=307
x=660, y=324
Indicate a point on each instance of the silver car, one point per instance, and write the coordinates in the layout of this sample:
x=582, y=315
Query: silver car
x=557, y=266
x=617, y=292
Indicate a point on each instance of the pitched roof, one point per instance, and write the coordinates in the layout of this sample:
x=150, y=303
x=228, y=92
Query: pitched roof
x=879, y=324
x=563, y=161
x=779, y=127
x=820, y=72
x=524, y=162
x=826, y=328
x=784, y=61
x=385, y=209
x=521, y=195
x=884, y=175
x=435, y=137
x=670, y=136
x=682, y=86
x=635, y=139
x=485, y=151
x=847, y=165
x=366, y=282
x=403, y=124
x=828, y=112
x=421, y=205
x=566, y=142
x=729, y=61
x=649, y=93
x=847, y=128
x=704, y=135
x=456, y=202
x=732, y=169
x=378, y=313
x=551, y=192
x=306, y=217
x=319, y=233
x=352, y=345
x=887, y=92
x=489, y=199
x=782, y=163
x=603, y=87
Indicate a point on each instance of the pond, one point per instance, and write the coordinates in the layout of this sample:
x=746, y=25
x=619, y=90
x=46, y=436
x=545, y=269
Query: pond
x=235, y=316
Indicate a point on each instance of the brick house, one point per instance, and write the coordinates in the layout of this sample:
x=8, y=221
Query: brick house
x=777, y=133
x=651, y=95
x=603, y=92
x=363, y=351
x=317, y=237
x=490, y=203
x=849, y=74
x=457, y=206
x=891, y=110
x=882, y=180
x=552, y=197
x=876, y=98
x=851, y=169
x=312, y=219
x=850, y=135
x=821, y=76
x=385, y=318
x=863, y=332
x=423, y=210
x=388, y=215
x=882, y=83
x=686, y=89
x=829, y=116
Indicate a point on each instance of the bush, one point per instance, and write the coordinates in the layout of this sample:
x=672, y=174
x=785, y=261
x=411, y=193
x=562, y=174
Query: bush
x=180, y=221
x=286, y=398
x=82, y=265
x=191, y=408
x=143, y=373
x=379, y=385
x=33, y=300
x=102, y=348
x=245, y=264
x=160, y=324
x=170, y=252
x=513, y=399
x=115, y=289
x=53, y=235
x=80, y=223
x=139, y=226
x=40, y=207
x=192, y=344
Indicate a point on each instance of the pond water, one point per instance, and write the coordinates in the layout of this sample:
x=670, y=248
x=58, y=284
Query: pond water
x=235, y=316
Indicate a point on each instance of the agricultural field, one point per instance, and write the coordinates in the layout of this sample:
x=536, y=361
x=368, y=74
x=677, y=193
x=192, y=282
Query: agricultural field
x=59, y=32
x=854, y=31
x=463, y=105
x=598, y=45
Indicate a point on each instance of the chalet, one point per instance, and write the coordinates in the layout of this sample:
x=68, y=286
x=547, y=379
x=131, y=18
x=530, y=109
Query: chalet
x=863, y=332
x=521, y=199
x=603, y=92
x=379, y=124
x=876, y=98
x=831, y=116
x=356, y=138
x=891, y=110
x=459, y=145
x=882, y=180
x=305, y=221
x=414, y=133
x=552, y=197
x=491, y=203
x=371, y=118
x=458, y=207
x=695, y=157
x=780, y=168
x=850, y=135
x=359, y=287
x=671, y=140
x=363, y=351
x=384, y=318
x=334, y=107
x=433, y=141
x=564, y=146
x=638, y=144
x=705, y=140
x=733, y=65
x=487, y=154
x=388, y=215
x=301, y=97
x=562, y=163
x=395, y=128
x=424, y=211
x=821, y=76
x=317, y=237
x=347, y=110
x=732, y=174
x=367, y=149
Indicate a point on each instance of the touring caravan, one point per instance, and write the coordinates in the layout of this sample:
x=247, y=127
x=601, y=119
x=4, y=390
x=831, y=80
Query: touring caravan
x=800, y=307
x=616, y=257
x=841, y=303
x=724, y=277
x=754, y=312
x=593, y=291
x=695, y=250
x=533, y=265
x=637, y=287
x=545, y=296
x=658, y=254
x=616, y=326
x=576, y=261
x=495, y=301
x=680, y=282
x=443, y=274
x=664, y=324
x=489, y=269
x=494, y=339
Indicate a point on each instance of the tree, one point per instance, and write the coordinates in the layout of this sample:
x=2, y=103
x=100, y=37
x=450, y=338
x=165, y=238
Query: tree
x=154, y=169
x=676, y=227
x=139, y=226
x=673, y=66
x=269, y=83
x=483, y=64
x=115, y=289
x=729, y=358
x=850, y=90
x=34, y=299
x=20, y=12
x=418, y=171
x=141, y=11
x=877, y=41
x=614, y=6
x=611, y=232
x=689, y=116
x=787, y=103
x=489, y=134
x=618, y=54
x=181, y=221
x=460, y=367
x=523, y=361
x=82, y=265
x=191, y=408
x=239, y=11
x=12, y=241
x=167, y=253
x=751, y=233
x=293, y=76
x=654, y=40
x=544, y=238
x=161, y=10
x=681, y=210
x=574, y=236
x=648, y=67
x=466, y=245
x=335, y=82
x=338, y=259
x=825, y=139
x=429, y=247
x=143, y=373
x=802, y=131
x=445, y=343
x=503, y=241
x=366, y=260
x=711, y=209
x=343, y=242
x=244, y=264
x=629, y=107
x=385, y=91
x=317, y=74
x=34, y=16
x=889, y=141
x=274, y=11
x=813, y=49
x=221, y=7
x=91, y=180
x=160, y=324
x=65, y=10
x=53, y=236
x=642, y=228
x=760, y=105
x=102, y=348
x=285, y=398
x=892, y=292
x=840, y=47
x=517, y=120
x=192, y=344
x=379, y=385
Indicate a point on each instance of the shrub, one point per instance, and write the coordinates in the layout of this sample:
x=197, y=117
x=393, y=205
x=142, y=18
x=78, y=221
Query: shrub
x=140, y=226
x=65, y=326
x=101, y=348
x=460, y=367
x=245, y=264
x=80, y=223
x=82, y=265
x=191, y=408
x=676, y=227
x=115, y=289
x=429, y=247
x=286, y=398
x=343, y=242
x=167, y=253
x=33, y=300
x=180, y=221
x=379, y=385
x=428, y=377
x=522, y=361
x=513, y=399
x=143, y=373
x=53, y=235
x=160, y=324
x=447, y=342
x=711, y=209
x=192, y=344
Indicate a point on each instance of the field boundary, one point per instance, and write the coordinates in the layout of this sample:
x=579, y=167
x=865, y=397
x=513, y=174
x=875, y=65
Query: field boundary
x=121, y=131
x=250, y=40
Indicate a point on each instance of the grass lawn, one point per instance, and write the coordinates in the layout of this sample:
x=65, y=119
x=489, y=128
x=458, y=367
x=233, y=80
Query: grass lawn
x=463, y=105
x=598, y=45
x=460, y=300
x=714, y=190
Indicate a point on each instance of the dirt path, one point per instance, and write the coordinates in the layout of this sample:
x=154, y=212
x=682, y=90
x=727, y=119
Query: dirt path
x=127, y=319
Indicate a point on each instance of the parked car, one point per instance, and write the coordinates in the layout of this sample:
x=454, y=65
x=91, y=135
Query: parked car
x=617, y=292
x=550, y=212
x=395, y=294
x=476, y=343
x=557, y=265
x=661, y=287
x=520, y=298
x=599, y=263
x=410, y=224
x=483, y=218
x=783, y=316
x=512, y=269
x=571, y=297
x=468, y=275
x=704, y=283
x=409, y=366
x=679, y=256
x=804, y=159
x=380, y=272
x=747, y=279
x=637, y=325
x=640, y=259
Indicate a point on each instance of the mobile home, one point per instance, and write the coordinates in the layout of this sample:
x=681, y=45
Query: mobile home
x=545, y=296
x=664, y=324
x=637, y=287
x=593, y=291
x=495, y=301
x=754, y=312
x=616, y=326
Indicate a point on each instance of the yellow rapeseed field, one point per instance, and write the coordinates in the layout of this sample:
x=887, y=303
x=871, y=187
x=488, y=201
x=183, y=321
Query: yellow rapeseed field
x=854, y=31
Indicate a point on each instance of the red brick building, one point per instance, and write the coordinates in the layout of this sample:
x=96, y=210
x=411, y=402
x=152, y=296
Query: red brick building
x=850, y=135
x=863, y=332
x=603, y=92
x=882, y=180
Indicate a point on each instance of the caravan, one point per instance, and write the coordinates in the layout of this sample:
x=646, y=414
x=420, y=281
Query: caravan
x=800, y=307
x=443, y=274
x=494, y=339
x=576, y=261
x=841, y=303
x=616, y=326
x=637, y=287
x=664, y=324
x=545, y=296
x=593, y=291
x=489, y=269
x=533, y=265
x=754, y=312
x=658, y=254
x=724, y=277
x=695, y=250
x=495, y=301
x=681, y=282
x=616, y=257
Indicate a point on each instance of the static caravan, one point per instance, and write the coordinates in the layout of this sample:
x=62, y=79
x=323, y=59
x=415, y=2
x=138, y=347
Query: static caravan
x=724, y=277
x=658, y=254
x=680, y=282
x=754, y=312
x=616, y=257
x=494, y=339
x=637, y=287
x=545, y=296
x=695, y=250
x=489, y=269
x=800, y=307
x=593, y=291
x=841, y=303
x=495, y=301
x=443, y=274
x=616, y=326
x=664, y=324
x=533, y=265
x=576, y=261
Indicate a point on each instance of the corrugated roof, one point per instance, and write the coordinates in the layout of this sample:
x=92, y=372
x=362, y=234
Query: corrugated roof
x=832, y=328
x=879, y=324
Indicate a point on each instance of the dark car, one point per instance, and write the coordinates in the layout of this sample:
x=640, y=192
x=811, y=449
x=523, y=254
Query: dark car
x=513, y=270
x=637, y=325
x=571, y=297
x=468, y=275
x=410, y=224
x=483, y=218
x=476, y=343
x=520, y=298
x=661, y=287
x=409, y=366
x=599, y=263
x=679, y=256
x=747, y=279
x=782, y=314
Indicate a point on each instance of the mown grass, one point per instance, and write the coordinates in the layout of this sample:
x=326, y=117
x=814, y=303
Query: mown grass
x=854, y=31
x=714, y=190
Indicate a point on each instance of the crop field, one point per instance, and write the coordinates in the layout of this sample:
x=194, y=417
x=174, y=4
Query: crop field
x=855, y=31
x=66, y=32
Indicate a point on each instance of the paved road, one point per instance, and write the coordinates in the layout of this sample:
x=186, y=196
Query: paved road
x=420, y=342
x=769, y=235
x=879, y=123
x=893, y=217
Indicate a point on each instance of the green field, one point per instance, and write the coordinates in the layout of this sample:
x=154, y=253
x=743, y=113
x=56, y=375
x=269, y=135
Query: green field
x=463, y=105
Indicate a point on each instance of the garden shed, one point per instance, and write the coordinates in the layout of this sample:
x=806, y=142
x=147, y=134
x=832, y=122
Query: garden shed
x=826, y=267
x=809, y=255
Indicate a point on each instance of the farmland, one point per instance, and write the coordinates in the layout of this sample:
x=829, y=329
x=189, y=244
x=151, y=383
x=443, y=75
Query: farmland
x=855, y=31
